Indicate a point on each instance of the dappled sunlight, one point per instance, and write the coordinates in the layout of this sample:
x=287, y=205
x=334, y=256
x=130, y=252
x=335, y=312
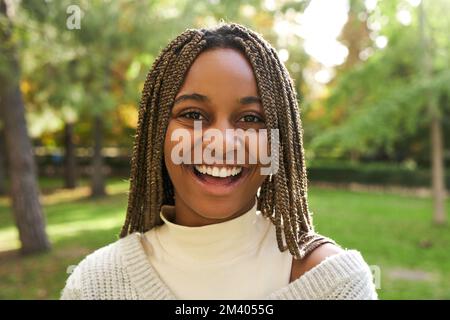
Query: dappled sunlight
x=4, y=201
x=57, y=232
x=68, y=195
x=72, y=213
x=65, y=195
x=9, y=239
x=60, y=231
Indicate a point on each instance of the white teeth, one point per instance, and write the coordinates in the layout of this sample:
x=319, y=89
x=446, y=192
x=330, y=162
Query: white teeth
x=236, y=170
x=222, y=172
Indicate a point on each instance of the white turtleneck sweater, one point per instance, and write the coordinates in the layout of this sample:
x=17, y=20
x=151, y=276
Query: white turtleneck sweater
x=235, y=259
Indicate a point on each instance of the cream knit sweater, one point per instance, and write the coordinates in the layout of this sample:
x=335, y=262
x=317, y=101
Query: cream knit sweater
x=218, y=261
x=121, y=270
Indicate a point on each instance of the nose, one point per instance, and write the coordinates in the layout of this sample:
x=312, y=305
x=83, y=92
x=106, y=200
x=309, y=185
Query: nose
x=221, y=141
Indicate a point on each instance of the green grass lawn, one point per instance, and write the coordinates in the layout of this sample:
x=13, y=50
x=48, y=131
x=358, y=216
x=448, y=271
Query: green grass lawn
x=392, y=232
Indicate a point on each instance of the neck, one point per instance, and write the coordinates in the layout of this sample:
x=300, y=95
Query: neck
x=213, y=242
x=187, y=216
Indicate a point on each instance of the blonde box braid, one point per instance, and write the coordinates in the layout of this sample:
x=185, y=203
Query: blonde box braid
x=283, y=196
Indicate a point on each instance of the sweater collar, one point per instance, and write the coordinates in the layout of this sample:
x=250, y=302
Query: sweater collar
x=150, y=286
x=211, y=243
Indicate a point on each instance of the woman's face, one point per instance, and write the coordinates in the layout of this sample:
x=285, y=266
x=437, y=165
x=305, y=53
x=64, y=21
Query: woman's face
x=220, y=93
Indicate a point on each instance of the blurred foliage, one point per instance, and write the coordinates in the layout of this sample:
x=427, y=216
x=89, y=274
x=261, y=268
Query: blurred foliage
x=405, y=174
x=71, y=74
x=373, y=108
x=379, y=105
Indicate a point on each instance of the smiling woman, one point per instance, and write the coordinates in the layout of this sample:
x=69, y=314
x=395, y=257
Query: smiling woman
x=200, y=229
x=217, y=84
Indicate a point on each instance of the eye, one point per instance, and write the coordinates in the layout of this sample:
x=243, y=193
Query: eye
x=194, y=115
x=251, y=118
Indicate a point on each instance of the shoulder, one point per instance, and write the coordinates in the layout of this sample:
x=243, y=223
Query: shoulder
x=314, y=258
x=95, y=276
x=104, y=258
x=330, y=272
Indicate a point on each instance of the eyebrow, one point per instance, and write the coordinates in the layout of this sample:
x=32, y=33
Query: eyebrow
x=193, y=96
x=202, y=98
x=250, y=100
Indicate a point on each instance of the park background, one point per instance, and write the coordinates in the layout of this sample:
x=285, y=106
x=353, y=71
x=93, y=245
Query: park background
x=373, y=82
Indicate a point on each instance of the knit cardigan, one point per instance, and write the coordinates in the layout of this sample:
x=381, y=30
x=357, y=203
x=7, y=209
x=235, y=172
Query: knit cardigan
x=121, y=270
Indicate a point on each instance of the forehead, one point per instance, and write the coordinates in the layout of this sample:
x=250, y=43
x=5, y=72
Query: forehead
x=220, y=72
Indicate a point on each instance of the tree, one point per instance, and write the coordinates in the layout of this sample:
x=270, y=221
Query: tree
x=91, y=78
x=2, y=163
x=111, y=35
x=26, y=206
x=437, y=144
x=70, y=163
x=399, y=92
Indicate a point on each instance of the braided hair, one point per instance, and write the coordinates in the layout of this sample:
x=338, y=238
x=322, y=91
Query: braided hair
x=283, y=196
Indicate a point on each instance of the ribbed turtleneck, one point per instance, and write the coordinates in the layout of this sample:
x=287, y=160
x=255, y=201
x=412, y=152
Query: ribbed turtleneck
x=211, y=243
x=219, y=261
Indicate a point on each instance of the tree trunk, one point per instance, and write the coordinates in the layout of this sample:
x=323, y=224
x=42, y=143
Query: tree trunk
x=437, y=145
x=2, y=165
x=70, y=160
x=98, y=180
x=437, y=156
x=24, y=190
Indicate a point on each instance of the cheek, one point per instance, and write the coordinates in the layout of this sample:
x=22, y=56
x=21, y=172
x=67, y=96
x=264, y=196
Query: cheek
x=168, y=147
x=258, y=149
x=177, y=150
x=178, y=145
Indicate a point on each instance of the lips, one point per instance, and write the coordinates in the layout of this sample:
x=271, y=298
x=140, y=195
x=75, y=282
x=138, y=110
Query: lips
x=213, y=183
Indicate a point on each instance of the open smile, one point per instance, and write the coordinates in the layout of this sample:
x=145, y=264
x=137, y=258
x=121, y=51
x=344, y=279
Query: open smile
x=218, y=180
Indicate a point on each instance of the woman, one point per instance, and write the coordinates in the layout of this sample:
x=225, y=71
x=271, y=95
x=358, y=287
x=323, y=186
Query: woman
x=201, y=229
